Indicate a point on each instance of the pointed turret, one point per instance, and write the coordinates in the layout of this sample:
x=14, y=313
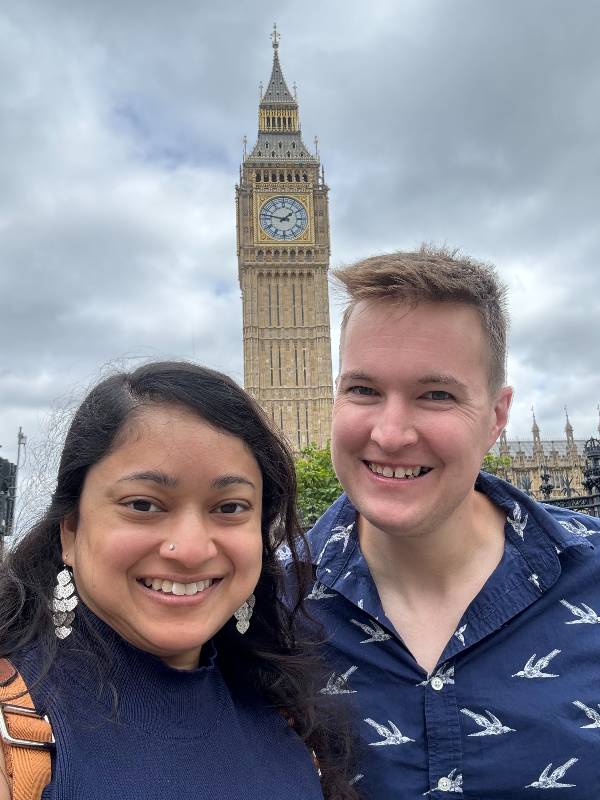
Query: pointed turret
x=571, y=446
x=504, y=448
x=538, y=450
x=279, y=136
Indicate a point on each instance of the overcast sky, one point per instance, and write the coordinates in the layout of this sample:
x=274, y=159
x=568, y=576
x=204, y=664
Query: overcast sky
x=470, y=122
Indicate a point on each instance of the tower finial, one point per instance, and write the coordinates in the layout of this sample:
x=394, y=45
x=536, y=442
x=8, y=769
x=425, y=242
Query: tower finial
x=275, y=36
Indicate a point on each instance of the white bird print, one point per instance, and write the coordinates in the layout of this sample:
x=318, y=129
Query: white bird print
x=532, y=670
x=593, y=715
x=460, y=634
x=355, y=779
x=446, y=675
x=576, y=527
x=391, y=735
x=376, y=633
x=455, y=784
x=517, y=524
x=492, y=726
x=535, y=580
x=319, y=592
x=589, y=615
x=338, y=534
x=338, y=684
x=284, y=553
x=546, y=781
x=360, y=603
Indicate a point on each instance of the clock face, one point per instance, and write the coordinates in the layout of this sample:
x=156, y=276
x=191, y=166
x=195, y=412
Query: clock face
x=283, y=218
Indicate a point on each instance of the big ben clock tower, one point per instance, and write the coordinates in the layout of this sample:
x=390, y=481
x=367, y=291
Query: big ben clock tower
x=283, y=257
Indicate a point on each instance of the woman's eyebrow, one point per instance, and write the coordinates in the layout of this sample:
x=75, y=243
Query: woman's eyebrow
x=168, y=481
x=223, y=481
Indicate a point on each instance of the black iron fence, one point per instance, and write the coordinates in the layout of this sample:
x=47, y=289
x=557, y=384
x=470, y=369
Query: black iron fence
x=8, y=477
x=587, y=503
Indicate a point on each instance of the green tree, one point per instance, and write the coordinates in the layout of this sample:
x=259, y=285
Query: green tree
x=318, y=485
x=495, y=464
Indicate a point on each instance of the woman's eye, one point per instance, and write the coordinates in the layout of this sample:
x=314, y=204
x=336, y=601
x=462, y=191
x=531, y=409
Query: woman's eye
x=142, y=505
x=232, y=508
x=438, y=395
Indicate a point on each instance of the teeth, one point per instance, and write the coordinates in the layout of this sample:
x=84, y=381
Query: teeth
x=399, y=472
x=174, y=587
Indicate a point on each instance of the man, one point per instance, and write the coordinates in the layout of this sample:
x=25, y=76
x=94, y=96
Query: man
x=461, y=613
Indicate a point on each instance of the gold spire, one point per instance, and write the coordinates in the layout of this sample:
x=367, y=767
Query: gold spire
x=275, y=36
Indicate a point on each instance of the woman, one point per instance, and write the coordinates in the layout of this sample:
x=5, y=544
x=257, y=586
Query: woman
x=143, y=611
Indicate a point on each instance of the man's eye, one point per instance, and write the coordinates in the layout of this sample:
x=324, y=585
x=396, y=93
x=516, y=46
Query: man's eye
x=142, y=505
x=438, y=396
x=232, y=508
x=363, y=391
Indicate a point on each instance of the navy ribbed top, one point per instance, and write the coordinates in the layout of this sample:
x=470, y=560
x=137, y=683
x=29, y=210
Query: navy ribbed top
x=179, y=734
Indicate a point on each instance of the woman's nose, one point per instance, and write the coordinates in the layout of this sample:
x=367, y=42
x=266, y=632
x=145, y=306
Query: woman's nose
x=189, y=540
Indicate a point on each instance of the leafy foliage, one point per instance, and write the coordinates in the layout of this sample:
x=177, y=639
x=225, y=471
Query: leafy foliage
x=495, y=464
x=318, y=486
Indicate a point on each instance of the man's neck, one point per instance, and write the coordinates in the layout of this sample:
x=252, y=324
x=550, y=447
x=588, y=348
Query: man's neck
x=427, y=581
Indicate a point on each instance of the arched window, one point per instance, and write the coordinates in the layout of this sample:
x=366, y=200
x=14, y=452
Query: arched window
x=259, y=153
x=279, y=122
x=289, y=177
x=274, y=175
x=268, y=123
x=276, y=255
x=297, y=177
x=289, y=122
x=309, y=255
x=281, y=177
x=266, y=145
x=293, y=145
x=305, y=177
x=292, y=255
x=301, y=153
x=289, y=155
x=280, y=144
x=273, y=121
x=260, y=255
x=258, y=175
x=272, y=153
x=266, y=176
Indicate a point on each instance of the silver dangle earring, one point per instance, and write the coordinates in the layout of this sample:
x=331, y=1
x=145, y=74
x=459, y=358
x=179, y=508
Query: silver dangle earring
x=243, y=614
x=63, y=603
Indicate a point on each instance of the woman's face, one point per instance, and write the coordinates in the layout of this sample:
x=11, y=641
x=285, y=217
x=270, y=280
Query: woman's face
x=178, y=506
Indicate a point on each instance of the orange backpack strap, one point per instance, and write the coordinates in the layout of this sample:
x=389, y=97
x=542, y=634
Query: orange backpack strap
x=26, y=737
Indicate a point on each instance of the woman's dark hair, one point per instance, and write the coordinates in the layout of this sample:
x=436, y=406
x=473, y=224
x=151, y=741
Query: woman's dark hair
x=282, y=667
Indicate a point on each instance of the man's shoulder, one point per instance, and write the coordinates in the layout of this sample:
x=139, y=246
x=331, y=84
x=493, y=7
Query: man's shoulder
x=565, y=526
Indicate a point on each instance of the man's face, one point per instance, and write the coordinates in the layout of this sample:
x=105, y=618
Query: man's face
x=412, y=397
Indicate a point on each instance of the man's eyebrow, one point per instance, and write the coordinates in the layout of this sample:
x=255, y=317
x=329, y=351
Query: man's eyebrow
x=168, y=481
x=223, y=481
x=356, y=375
x=441, y=377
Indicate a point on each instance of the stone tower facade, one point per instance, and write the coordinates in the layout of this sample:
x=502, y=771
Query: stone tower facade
x=283, y=260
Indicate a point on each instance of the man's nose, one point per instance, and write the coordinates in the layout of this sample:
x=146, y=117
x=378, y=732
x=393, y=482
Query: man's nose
x=395, y=426
x=189, y=539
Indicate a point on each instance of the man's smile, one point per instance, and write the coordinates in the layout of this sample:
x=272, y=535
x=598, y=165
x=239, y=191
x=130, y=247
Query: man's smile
x=397, y=472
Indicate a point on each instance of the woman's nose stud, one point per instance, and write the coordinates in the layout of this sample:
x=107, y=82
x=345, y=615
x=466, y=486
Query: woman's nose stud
x=171, y=547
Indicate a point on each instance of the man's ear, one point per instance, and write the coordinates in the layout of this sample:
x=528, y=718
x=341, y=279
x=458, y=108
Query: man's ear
x=501, y=409
x=68, y=529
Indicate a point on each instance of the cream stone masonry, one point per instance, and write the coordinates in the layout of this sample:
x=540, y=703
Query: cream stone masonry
x=282, y=216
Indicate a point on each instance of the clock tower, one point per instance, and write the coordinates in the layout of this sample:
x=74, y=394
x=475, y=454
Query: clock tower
x=283, y=259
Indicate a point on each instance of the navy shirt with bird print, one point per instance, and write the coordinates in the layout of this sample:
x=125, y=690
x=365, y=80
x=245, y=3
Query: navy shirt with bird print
x=513, y=706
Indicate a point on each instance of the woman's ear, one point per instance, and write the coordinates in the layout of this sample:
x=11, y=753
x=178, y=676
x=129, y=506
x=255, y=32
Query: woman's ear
x=68, y=529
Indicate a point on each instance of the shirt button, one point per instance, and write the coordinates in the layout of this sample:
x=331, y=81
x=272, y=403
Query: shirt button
x=444, y=784
x=437, y=683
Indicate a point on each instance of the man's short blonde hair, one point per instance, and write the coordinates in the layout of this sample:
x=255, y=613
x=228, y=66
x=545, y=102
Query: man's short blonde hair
x=433, y=275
